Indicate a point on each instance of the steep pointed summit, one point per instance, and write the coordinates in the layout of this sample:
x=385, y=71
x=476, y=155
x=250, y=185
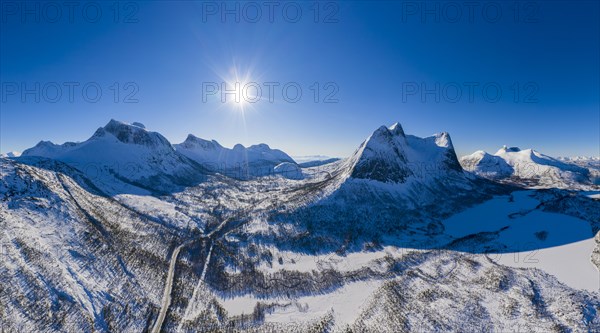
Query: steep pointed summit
x=396, y=129
x=389, y=155
x=382, y=156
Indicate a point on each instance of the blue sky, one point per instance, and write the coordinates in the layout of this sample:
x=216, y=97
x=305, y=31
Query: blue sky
x=370, y=60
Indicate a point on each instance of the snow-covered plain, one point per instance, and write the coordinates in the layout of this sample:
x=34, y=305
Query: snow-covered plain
x=569, y=263
x=345, y=304
x=558, y=244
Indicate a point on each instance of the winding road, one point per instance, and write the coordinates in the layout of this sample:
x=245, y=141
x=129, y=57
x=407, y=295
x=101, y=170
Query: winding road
x=222, y=229
x=166, y=300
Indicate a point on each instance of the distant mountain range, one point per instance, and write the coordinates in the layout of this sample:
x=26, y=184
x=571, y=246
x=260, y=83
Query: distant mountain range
x=527, y=164
x=240, y=162
x=11, y=154
x=132, y=153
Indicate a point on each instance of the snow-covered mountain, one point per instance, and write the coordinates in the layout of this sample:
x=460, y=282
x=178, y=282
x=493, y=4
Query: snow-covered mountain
x=590, y=160
x=314, y=160
x=238, y=162
x=11, y=154
x=527, y=164
x=75, y=261
x=314, y=163
x=127, y=152
x=395, y=238
x=393, y=185
x=389, y=155
x=310, y=158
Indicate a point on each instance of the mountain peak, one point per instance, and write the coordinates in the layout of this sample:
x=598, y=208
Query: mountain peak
x=135, y=133
x=193, y=141
x=261, y=147
x=11, y=154
x=382, y=156
x=396, y=129
x=389, y=155
x=113, y=122
x=388, y=133
x=506, y=149
x=443, y=140
x=391, y=131
x=525, y=164
x=239, y=161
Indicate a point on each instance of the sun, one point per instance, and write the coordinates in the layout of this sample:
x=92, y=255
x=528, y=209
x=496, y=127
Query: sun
x=238, y=95
x=239, y=90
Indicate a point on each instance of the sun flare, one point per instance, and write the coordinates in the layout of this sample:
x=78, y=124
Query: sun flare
x=239, y=90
